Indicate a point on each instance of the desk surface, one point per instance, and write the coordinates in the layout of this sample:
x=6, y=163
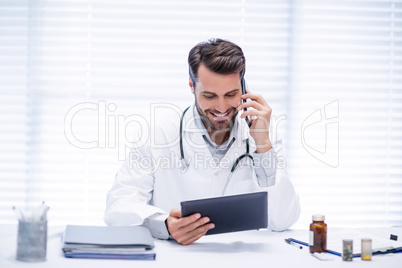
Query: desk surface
x=242, y=249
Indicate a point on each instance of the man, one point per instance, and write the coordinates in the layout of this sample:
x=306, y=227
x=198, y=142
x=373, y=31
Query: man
x=213, y=136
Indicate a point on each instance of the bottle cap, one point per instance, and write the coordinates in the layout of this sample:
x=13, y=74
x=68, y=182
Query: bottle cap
x=318, y=217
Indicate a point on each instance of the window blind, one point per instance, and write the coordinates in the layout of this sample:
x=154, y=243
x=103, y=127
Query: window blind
x=344, y=138
x=77, y=76
x=89, y=72
x=14, y=137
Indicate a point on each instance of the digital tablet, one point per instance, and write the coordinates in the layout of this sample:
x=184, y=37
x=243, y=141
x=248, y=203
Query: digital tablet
x=231, y=213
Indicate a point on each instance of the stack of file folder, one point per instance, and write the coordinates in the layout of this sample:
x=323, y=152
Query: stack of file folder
x=108, y=242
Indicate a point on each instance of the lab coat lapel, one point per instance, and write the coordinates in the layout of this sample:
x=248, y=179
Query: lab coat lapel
x=192, y=136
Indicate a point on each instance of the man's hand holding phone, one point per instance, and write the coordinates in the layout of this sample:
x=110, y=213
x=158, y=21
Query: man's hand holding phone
x=259, y=116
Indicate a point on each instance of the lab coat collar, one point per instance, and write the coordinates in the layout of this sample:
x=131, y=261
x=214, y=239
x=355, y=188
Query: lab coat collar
x=189, y=124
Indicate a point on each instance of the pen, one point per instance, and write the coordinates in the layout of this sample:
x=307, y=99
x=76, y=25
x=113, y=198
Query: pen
x=293, y=244
x=305, y=244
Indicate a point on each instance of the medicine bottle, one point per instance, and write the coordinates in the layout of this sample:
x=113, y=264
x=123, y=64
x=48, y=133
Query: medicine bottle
x=318, y=234
x=366, y=249
x=347, y=254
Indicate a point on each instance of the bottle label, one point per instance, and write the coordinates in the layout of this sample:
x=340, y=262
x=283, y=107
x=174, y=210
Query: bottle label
x=311, y=240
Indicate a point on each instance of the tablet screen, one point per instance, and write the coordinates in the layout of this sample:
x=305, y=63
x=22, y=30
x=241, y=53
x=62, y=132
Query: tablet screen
x=231, y=213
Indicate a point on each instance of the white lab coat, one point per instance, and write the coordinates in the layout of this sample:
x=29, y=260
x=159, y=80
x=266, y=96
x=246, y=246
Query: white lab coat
x=142, y=191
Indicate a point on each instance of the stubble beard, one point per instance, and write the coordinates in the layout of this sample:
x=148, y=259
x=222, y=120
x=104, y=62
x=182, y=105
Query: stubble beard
x=215, y=125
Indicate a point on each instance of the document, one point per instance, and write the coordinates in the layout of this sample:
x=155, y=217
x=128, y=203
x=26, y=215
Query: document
x=379, y=244
x=108, y=242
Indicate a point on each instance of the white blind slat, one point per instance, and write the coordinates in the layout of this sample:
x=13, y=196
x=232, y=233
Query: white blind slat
x=301, y=56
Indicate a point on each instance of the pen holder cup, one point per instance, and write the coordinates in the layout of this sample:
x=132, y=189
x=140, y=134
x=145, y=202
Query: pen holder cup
x=31, y=242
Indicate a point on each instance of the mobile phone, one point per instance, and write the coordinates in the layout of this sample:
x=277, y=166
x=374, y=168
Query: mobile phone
x=243, y=91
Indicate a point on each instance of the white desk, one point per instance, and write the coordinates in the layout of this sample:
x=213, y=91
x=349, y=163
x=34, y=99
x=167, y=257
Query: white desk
x=243, y=249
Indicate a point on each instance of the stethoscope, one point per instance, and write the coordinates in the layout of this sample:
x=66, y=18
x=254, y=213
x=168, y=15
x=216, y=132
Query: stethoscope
x=184, y=164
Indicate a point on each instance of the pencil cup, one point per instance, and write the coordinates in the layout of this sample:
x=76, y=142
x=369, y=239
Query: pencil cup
x=32, y=240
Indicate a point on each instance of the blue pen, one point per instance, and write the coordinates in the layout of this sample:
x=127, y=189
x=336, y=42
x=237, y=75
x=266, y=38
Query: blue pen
x=305, y=244
x=290, y=242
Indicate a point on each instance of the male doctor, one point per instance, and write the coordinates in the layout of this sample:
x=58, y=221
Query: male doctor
x=208, y=138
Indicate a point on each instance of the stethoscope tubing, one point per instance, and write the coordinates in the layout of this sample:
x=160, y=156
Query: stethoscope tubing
x=184, y=164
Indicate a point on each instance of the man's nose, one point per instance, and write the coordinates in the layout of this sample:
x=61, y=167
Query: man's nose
x=222, y=105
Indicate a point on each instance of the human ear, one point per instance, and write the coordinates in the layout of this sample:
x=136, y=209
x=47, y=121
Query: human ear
x=190, y=83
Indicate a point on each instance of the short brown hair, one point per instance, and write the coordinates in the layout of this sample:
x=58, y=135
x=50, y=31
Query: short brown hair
x=218, y=55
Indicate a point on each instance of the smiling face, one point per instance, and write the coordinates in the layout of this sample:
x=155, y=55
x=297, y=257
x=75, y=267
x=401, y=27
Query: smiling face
x=216, y=98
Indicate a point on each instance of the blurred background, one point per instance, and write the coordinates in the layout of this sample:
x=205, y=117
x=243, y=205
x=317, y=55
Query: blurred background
x=77, y=76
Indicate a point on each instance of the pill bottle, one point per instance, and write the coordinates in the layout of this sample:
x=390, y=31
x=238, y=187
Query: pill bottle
x=318, y=234
x=347, y=253
x=366, y=249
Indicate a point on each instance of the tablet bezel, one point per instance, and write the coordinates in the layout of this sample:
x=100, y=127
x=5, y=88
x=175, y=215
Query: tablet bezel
x=231, y=213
